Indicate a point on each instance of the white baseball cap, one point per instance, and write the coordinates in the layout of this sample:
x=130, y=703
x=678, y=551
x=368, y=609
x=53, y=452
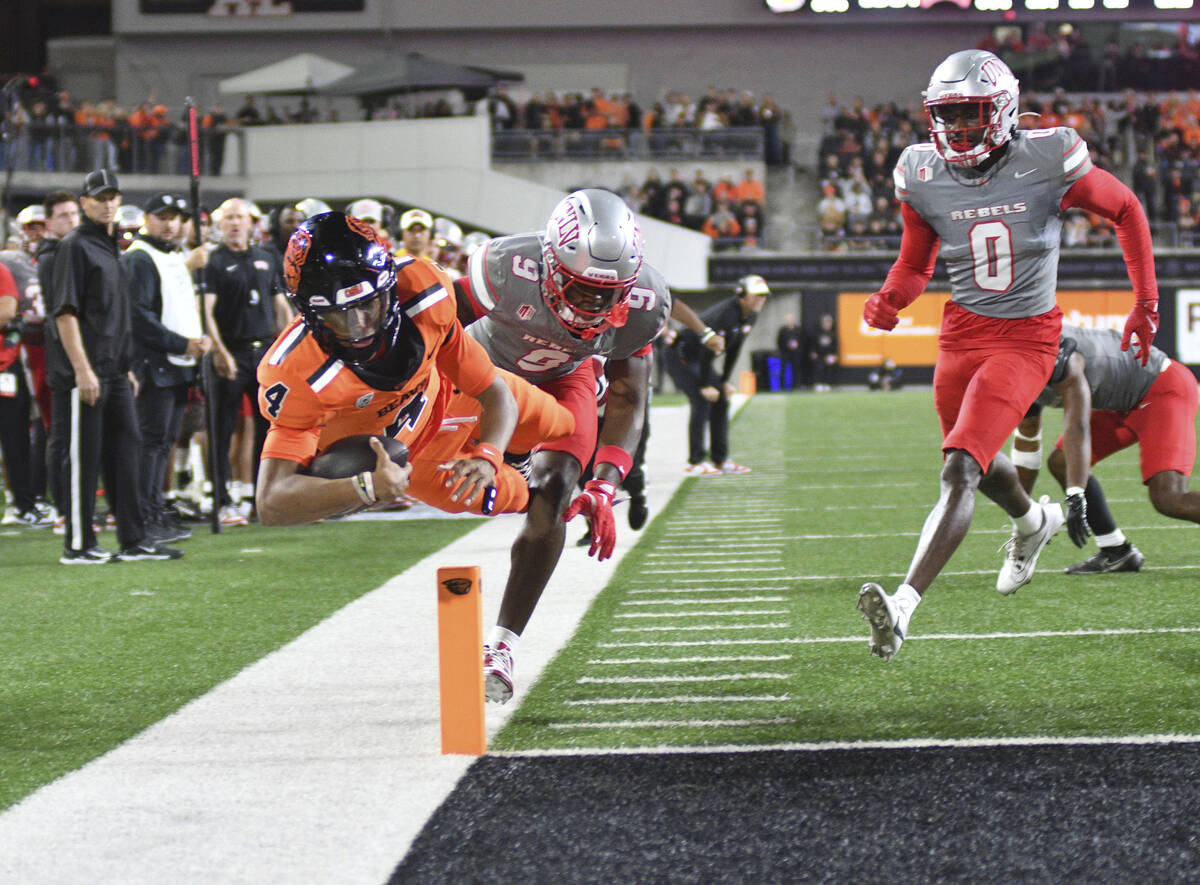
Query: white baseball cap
x=366, y=209
x=416, y=216
x=753, y=285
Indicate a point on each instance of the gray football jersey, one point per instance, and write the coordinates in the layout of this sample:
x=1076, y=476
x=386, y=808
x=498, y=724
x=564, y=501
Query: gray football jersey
x=999, y=235
x=520, y=332
x=1117, y=380
x=25, y=275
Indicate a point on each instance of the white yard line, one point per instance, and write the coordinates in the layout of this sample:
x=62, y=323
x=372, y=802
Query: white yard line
x=320, y=762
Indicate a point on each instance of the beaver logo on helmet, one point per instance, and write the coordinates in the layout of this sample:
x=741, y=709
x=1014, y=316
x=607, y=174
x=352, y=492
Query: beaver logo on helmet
x=293, y=258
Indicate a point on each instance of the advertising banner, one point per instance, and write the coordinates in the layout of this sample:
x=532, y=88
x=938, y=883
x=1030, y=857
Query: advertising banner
x=1187, y=326
x=914, y=340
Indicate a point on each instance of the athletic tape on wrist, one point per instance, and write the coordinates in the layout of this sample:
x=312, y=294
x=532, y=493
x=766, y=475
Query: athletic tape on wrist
x=707, y=335
x=617, y=457
x=364, y=484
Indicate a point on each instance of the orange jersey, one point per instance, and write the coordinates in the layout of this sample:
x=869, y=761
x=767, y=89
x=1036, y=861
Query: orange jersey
x=312, y=399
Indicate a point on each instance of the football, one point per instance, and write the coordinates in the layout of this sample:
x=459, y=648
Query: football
x=352, y=455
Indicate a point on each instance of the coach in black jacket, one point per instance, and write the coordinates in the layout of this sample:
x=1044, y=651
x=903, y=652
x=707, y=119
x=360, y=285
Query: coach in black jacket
x=88, y=361
x=693, y=368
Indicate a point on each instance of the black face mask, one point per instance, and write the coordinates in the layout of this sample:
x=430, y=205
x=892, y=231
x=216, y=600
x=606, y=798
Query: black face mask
x=393, y=368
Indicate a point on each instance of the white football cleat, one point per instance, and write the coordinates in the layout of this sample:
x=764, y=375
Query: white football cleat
x=1023, y=550
x=498, y=679
x=880, y=611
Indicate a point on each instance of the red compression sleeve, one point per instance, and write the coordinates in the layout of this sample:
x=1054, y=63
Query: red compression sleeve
x=912, y=269
x=1104, y=194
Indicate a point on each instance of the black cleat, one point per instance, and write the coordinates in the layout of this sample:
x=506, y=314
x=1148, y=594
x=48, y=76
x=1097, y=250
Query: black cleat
x=638, y=511
x=1125, y=558
x=149, y=549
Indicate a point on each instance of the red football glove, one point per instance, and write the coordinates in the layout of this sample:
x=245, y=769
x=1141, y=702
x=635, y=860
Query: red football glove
x=596, y=504
x=879, y=313
x=1143, y=322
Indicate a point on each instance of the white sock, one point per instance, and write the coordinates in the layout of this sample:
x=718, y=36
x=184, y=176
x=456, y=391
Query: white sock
x=906, y=599
x=1031, y=521
x=1114, y=539
x=503, y=634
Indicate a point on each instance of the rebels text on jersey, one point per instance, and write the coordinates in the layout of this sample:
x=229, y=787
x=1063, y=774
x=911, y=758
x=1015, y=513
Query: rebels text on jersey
x=522, y=335
x=312, y=399
x=999, y=233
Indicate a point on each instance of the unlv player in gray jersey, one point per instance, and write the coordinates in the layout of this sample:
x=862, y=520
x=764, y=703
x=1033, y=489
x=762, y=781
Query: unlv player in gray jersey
x=543, y=305
x=1109, y=402
x=993, y=197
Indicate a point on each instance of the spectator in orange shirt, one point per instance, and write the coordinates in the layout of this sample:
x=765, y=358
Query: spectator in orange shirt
x=750, y=190
x=722, y=225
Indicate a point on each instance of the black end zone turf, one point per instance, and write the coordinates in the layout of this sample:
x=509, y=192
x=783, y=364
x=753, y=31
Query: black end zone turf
x=1044, y=813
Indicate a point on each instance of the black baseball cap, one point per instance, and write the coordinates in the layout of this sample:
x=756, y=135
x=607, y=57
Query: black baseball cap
x=100, y=181
x=166, y=203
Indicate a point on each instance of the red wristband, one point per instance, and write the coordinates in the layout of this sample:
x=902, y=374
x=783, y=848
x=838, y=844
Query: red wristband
x=489, y=453
x=617, y=457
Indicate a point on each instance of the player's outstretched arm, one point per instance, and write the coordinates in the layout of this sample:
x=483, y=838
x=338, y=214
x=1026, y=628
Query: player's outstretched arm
x=475, y=475
x=624, y=414
x=285, y=496
x=1104, y=194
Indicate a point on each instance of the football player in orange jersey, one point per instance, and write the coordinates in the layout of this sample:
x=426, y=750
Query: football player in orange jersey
x=377, y=348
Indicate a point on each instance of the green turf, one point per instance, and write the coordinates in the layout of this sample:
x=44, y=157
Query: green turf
x=91, y=655
x=841, y=487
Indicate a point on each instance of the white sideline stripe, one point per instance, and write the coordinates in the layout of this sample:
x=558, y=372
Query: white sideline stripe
x=672, y=723
x=703, y=601
x=905, y=744
x=683, y=571
x=699, y=659
x=696, y=551
x=242, y=784
x=681, y=699
x=702, y=522
x=960, y=574
x=653, y=680
x=703, y=590
x=818, y=640
x=715, y=613
x=721, y=558
x=680, y=628
x=715, y=539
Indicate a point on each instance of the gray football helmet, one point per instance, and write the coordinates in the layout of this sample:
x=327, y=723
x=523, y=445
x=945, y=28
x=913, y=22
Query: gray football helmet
x=973, y=103
x=592, y=251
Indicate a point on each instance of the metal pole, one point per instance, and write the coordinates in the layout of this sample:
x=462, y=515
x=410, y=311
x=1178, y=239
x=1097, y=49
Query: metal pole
x=207, y=374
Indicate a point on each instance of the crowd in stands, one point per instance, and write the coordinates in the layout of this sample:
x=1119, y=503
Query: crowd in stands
x=48, y=130
x=1045, y=58
x=730, y=212
x=628, y=128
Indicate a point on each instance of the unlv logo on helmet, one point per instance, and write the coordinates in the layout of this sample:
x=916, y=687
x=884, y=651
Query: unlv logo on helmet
x=568, y=227
x=293, y=259
x=992, y=70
